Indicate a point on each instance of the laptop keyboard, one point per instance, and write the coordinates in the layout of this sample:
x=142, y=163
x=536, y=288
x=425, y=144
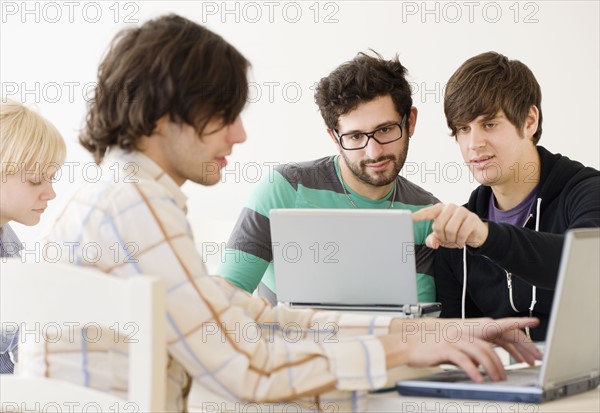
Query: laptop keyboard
x=525, y=377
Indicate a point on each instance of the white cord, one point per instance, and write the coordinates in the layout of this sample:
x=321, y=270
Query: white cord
x=510, y=295
x=537, y=228
x=464, y=291
x=533, y=287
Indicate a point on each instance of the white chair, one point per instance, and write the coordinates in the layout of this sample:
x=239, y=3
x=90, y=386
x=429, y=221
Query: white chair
x=57, y=293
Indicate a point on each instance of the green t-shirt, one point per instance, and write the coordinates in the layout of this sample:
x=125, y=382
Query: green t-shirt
x=248, y=258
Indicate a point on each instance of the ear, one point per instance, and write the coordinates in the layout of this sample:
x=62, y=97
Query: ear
x=412, y=120
x=334, y=139
x=161, y=124
x=531, y=122
x=144, y=143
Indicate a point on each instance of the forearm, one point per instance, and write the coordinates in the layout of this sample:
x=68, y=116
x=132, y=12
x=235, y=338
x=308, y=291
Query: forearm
x=394, y=354
x=535, y=256
x=530, y=255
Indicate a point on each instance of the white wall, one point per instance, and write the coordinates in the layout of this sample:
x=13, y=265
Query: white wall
x=50, y=52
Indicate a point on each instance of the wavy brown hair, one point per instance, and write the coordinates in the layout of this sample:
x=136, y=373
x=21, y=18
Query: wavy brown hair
x=488, y=83
x=168, y=66
x=361, y=80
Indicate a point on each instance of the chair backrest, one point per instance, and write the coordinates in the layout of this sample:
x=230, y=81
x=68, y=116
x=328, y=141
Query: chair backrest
x=37, y=294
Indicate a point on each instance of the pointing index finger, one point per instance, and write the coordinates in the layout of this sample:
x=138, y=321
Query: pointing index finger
x=428, y=213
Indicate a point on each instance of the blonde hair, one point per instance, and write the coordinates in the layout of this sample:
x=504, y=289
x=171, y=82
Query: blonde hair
x=27, y=139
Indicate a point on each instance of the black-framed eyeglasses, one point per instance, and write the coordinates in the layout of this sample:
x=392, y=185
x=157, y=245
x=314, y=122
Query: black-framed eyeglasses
x=358, y=140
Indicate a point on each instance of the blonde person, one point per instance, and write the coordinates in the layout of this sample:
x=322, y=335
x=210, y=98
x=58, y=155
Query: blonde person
x=31, y=151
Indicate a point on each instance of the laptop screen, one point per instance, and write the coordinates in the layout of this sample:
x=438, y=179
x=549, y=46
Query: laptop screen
x=571, y=361
x=572, y=344
x=344, y=256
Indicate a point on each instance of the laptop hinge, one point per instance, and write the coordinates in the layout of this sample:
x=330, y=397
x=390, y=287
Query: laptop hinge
x=592, y=375
x=409, y=310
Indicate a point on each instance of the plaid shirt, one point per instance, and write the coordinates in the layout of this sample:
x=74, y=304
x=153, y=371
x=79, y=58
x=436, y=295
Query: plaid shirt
x=133, y=221
x=10, y=245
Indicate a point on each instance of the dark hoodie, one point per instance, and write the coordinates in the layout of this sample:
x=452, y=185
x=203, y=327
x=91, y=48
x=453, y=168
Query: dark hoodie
x=570, y=198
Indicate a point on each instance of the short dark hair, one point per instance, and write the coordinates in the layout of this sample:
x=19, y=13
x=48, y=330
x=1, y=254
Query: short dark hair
x=488, y=82
x=361, y=80
x=168, y=66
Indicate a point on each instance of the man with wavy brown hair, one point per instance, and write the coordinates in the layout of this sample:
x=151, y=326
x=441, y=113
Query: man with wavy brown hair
x=166, y=111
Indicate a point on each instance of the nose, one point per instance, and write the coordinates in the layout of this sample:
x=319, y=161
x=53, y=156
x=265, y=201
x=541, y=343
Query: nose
x=373, y=149
x=476, y=139
x=237, y=133
x=48, y=193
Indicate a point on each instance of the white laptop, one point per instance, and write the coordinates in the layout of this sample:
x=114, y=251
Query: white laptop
x=571, y=362
x=346, y=259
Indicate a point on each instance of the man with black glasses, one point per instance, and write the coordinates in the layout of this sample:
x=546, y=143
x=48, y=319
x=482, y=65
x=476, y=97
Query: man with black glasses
x=367, y=107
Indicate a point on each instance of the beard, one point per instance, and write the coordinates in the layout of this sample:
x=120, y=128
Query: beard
x=359, y=169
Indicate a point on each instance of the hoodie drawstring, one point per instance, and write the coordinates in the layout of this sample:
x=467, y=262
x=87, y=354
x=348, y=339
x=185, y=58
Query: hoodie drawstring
x=533, y=287
x=464, y=290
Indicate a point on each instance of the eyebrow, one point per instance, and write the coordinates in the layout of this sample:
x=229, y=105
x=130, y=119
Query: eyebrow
x=492, y=117
x=381, y=125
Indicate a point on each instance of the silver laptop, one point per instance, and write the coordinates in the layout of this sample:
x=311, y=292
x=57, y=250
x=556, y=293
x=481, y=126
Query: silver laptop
x=346, y=259
x=571, y=362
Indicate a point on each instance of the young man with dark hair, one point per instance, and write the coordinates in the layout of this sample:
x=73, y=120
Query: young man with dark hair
x=512, y=229
x=161, y=117
x=367, y=107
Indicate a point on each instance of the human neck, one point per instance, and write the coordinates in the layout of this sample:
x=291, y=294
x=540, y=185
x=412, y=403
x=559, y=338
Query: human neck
x=507, y=199
x=150, y=146
x=362, y=188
